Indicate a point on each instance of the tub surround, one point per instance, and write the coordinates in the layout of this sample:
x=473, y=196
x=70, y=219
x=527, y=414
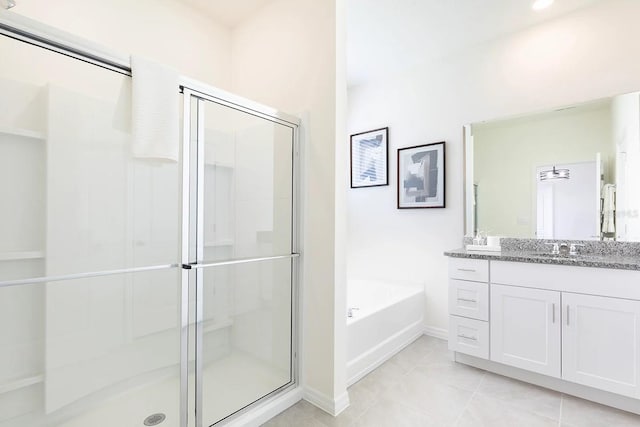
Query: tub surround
x=614, y=255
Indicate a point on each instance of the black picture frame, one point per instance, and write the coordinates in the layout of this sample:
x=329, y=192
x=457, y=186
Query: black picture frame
x=421, y=176
x=369, y=158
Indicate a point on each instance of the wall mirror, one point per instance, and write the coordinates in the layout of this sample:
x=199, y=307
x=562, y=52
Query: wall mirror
x=572, y=173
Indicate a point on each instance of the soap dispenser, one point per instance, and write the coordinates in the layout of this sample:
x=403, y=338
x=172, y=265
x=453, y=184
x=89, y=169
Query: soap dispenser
x=478, y=240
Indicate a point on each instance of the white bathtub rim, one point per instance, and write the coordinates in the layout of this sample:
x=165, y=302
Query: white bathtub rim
x=395, y=282
x=361, y=314
x=411, y=290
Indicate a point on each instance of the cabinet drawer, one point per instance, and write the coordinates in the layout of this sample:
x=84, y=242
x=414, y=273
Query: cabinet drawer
x=469, y=299
x=476, y=270
x=469, y=336
x=606, y=282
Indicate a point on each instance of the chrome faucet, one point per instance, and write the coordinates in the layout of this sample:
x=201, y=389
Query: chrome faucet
x=556, y=248
x=564, y=249
x=574, y=248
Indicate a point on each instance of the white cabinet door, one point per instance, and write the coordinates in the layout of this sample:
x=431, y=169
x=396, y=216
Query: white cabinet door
x=601, y=342
x=525, y=328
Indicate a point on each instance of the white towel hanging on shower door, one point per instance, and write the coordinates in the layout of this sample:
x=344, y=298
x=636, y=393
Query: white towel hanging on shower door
x=155, y=110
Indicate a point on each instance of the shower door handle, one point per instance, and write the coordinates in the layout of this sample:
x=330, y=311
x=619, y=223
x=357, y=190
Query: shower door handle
x=196, y=265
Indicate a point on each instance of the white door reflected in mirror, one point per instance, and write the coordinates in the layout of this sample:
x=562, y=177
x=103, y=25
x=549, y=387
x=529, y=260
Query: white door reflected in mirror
x=566, y=207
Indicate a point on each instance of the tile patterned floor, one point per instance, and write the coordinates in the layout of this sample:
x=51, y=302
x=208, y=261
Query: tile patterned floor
x=422, y=387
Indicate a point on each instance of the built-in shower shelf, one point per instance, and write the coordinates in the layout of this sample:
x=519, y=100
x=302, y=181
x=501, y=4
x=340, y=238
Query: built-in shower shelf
x=216, y=326
x=13, y=256
x=221, y=242
x=25, y=133
x=19, y=383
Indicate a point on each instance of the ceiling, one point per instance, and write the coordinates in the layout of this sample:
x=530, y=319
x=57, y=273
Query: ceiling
x=388, y=36
x=227, y=12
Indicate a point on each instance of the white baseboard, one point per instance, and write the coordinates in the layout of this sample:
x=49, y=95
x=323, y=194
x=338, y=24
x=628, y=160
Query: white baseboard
x=342, y=403
x=432, y=331
x=264, y=413
x=373, y=358
x=324, y=402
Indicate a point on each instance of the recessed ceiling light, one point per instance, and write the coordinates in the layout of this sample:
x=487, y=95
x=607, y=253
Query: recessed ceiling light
x=541, y=4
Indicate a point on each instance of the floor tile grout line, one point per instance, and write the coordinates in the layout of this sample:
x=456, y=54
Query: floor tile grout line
x=377, y=395
x=411, y=407
x=466, y=405
x=368, y=407
x=475, y=392
x=511, y=405
x=415, y=366
x=561, y=405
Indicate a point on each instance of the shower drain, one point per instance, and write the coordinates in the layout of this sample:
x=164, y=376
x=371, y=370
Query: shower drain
x=154, y=420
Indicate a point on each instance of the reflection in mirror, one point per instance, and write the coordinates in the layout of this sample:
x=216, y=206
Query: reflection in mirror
x=571, y=174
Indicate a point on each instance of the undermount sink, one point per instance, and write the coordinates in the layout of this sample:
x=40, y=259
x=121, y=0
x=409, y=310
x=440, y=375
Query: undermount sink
x=564, y=257
x=548, y=255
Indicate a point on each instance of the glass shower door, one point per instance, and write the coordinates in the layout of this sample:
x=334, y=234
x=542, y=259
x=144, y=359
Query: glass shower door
x=90, y=329
x=244, y=258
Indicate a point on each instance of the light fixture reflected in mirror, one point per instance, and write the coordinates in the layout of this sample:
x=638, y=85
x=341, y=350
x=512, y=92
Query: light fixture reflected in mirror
x=8, y=4
x=541, y=4
x=554, y=173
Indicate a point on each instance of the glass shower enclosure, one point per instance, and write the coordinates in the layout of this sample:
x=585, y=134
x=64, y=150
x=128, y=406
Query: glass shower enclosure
x=137, y=291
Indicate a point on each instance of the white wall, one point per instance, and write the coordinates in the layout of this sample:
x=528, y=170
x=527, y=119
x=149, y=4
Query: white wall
x=585, y=55
x=285, y=56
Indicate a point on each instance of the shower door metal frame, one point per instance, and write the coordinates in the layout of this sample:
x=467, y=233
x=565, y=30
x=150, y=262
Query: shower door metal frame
x=194, y=260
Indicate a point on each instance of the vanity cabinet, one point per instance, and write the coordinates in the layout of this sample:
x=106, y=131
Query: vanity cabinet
x=525, y=328
x=601, y=342
x=575, y=324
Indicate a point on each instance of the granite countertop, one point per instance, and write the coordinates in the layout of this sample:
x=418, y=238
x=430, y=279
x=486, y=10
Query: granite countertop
x=599, y=260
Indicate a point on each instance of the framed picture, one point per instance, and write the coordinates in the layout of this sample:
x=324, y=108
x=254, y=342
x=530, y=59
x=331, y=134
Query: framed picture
x=421, y=176
x=370, y=158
